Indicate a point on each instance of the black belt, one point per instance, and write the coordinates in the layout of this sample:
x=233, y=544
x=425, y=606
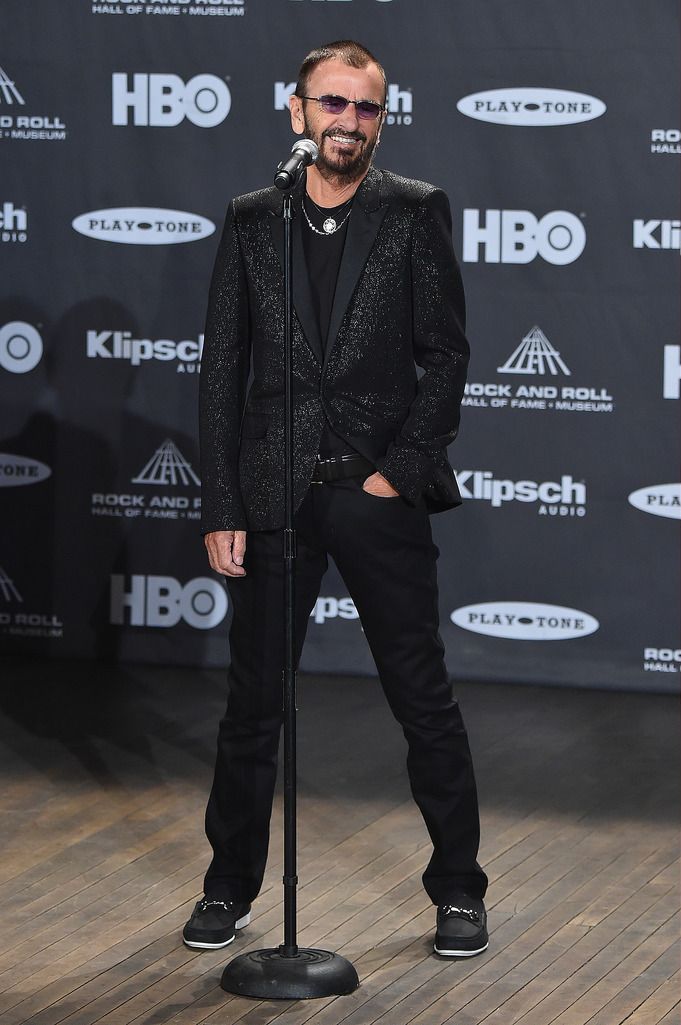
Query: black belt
x=339, y=467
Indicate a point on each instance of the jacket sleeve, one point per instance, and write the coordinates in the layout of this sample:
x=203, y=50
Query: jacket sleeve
x=224, y=375
x=417, y=454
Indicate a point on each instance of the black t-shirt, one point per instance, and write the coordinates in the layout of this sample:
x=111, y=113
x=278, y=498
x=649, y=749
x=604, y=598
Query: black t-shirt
x=323, y=253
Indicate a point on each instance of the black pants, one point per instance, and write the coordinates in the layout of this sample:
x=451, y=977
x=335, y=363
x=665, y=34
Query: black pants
x=384, y=551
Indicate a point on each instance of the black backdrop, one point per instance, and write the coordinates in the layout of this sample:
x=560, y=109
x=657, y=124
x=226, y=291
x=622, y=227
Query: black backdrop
x=554, y=127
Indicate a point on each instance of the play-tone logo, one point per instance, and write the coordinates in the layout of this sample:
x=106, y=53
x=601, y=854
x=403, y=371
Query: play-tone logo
x=164, y=101
x=25, y=125
x=21, y=347
x=533, y=107
x=17, y=471
x=518, y=236
x=525, y=621
x=657, y=234
x=658, y=499
x=143, y=226
x=159, y=601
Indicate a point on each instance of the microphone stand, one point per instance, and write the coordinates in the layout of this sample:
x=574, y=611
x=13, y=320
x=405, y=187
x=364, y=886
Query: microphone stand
x=289, y=972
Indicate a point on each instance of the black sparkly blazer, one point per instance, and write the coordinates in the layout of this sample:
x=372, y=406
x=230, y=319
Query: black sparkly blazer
x=399, y=303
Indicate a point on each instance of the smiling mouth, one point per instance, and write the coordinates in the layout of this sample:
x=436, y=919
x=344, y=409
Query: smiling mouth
x=343, y=140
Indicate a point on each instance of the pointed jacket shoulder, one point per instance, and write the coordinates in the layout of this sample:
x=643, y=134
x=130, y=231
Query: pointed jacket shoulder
x=379, y=188
x=411, y=191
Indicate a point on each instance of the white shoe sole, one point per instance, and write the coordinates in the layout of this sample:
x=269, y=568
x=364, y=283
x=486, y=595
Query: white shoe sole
x=239, y=924
x=460, y=953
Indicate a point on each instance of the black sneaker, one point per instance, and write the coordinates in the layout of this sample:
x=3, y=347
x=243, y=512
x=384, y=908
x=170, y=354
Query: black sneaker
x=214, y=923
x=461, y=928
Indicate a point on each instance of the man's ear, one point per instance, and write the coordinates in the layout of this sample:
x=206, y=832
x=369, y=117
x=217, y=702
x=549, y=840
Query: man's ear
x=296, y=108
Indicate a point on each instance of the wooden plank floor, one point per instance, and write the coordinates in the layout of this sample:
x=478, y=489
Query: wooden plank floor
x=105, y=774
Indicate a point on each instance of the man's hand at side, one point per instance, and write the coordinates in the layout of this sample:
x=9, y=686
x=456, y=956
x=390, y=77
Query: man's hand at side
x=226, y=549
x=377, y=485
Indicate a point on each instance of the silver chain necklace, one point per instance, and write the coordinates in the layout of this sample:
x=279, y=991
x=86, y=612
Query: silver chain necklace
x=330, y=225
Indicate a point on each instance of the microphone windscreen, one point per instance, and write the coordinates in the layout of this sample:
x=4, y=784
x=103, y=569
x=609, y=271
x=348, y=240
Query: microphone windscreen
x=308, y=147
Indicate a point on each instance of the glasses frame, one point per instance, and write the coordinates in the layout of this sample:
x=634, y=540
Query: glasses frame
x=380, y=109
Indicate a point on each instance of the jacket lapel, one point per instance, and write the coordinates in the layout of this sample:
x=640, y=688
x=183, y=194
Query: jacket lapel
x=302, y=293
x=363, y=225
x=302, y=296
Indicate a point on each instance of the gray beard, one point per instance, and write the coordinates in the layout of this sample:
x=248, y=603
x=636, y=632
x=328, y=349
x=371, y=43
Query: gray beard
x=341, y=175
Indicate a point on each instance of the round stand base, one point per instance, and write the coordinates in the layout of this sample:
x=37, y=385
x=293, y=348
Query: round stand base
x=271, y=975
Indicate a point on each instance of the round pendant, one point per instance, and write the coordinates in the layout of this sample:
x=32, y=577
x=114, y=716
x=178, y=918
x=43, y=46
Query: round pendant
x=329, y=225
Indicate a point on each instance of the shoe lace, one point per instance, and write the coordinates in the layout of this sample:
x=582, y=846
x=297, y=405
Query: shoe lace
x=453, y=909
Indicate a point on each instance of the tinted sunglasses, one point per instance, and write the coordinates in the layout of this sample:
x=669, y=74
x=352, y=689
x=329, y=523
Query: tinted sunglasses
x=367, y=110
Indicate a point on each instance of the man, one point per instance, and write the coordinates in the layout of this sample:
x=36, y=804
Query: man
x=376, y=291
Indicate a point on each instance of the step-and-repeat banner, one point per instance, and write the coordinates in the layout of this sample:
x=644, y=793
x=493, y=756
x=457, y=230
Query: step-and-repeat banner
x=125, y=128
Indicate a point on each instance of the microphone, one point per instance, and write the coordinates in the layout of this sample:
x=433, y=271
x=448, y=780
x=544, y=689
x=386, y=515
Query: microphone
x=303, y=153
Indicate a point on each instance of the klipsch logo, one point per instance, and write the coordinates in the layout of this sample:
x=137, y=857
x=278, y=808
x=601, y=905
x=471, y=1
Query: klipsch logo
x=518, y=236
x=566, y=497
x=21, y=347
x=160, y=601
x=27, y=124
x=172, y=7
x=13, y=223
x=143, y=226
x=164, y=101
x=400, y=102
x=18, y=621
x=166, y=469
x=533, y=107
x=121, y=345
x=657, y=234
x=16, y=471
x=537, y=357
x=525, y=621
x=658, y=499
x=333, y=608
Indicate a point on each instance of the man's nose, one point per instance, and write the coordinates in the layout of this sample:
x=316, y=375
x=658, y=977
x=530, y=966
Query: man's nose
x=350, y=117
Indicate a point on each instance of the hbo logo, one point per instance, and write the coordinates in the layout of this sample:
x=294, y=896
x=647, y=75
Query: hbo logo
x=163, y=101
x=164, y=601
x=517, y=236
